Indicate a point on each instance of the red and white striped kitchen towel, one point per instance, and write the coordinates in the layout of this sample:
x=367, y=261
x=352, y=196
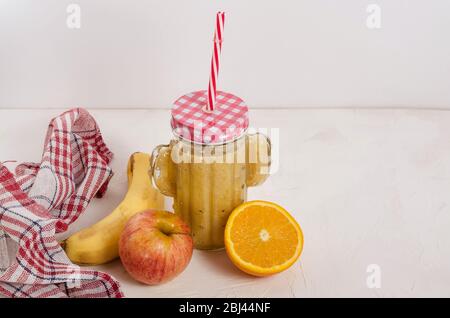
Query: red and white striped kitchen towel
x=43, y=199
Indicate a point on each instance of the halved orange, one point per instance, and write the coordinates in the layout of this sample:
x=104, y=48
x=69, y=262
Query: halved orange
x=262, y=238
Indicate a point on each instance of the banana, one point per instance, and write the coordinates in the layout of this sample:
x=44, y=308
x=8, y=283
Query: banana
x=98, y=244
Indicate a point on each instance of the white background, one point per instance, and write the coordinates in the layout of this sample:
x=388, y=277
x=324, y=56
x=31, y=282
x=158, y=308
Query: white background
x=287, y=53
x=368, y=186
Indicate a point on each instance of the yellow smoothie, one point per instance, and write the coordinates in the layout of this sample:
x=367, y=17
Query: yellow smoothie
x=208, y=181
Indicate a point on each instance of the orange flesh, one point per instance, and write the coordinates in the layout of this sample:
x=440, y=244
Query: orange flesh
x=263, y=236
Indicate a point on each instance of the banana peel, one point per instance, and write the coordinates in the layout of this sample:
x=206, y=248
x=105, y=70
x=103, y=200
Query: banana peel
x=99, y=243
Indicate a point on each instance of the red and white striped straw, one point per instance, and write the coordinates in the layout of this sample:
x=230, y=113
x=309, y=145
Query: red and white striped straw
x=215, y=61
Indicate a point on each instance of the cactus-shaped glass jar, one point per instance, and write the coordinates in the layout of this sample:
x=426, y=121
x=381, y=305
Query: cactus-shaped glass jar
x=209, y=164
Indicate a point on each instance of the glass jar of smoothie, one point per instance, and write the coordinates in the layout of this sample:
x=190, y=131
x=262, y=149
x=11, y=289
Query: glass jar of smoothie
x=209, y=164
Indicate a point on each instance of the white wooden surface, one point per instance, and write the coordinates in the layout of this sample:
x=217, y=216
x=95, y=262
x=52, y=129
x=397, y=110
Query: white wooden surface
x=367, y=187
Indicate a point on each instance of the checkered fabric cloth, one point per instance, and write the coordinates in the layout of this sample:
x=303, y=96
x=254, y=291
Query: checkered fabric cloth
x=43, y=199
x=227, y=122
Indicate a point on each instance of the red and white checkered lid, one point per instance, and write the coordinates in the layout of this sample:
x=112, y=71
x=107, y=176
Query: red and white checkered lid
x=226, y=123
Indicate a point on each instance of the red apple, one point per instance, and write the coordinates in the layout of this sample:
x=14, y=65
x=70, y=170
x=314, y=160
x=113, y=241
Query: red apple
x=155, y=246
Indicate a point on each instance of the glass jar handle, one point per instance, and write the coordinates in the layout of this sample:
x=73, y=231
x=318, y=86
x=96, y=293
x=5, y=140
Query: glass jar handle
x=258, y=170
x=160, y=170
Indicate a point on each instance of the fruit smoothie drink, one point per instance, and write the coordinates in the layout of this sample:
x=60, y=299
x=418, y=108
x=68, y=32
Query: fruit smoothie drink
x=208, y=187
x=208, y=178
